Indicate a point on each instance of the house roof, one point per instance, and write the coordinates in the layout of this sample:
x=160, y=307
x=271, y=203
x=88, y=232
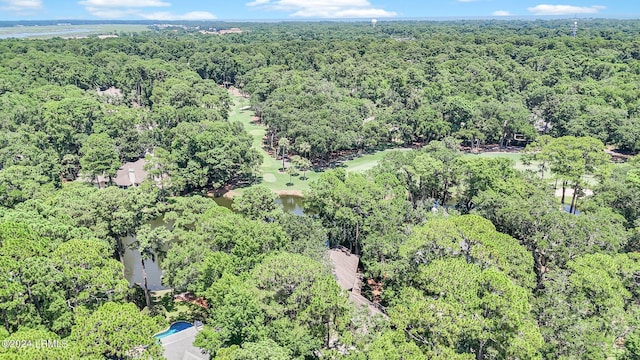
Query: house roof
x=179, y=346
x=345, y=267
x=130, y=173
x=345, y=270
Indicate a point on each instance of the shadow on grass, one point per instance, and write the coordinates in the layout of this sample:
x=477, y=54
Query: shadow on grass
x=166, y=302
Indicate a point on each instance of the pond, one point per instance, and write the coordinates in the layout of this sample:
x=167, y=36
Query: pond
x=291, y=204
x=567, y=207
x=133, y=265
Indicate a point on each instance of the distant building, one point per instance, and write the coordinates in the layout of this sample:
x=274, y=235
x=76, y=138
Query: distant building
x=221, y=32
x=230, y=31
x=112, y=95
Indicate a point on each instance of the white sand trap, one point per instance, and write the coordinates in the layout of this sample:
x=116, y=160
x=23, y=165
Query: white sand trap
x=569, y=192
x=269, y=177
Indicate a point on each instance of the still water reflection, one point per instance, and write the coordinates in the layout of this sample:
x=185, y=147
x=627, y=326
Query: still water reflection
x=133, y=265
x=289, y=203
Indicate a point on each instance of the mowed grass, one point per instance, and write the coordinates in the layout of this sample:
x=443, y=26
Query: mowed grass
x=67, y=31
x=276, y=180
x=270, y=171
x=589, y=180
x=513, y=156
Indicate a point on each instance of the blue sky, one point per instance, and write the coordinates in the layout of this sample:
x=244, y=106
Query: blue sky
x=308, y=9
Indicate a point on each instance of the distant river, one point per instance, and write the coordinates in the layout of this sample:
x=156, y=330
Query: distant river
x=39, y=34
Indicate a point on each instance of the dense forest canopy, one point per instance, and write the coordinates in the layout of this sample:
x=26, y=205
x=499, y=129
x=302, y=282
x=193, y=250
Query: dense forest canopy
x=465, y=257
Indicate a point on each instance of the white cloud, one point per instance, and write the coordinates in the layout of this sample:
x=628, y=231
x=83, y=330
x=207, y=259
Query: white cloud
x=545, y=9
x=501, y=13
x=123, y=3
x=110, y=13
x=323, y=8
x=258, y=2
x=121, y=9
x=464, y=1
x=21, y=5
x=194, y=15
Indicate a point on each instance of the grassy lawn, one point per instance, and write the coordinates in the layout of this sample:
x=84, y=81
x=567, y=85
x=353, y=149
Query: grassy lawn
x=50, y=31
x=175, y=310
x=271, y=176
x=512, y=156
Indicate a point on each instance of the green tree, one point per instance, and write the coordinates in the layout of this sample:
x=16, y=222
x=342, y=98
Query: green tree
x=158, y=167
x=70, y=166
x=345, y=202
x=18, y=243
x=237, y=318
x=262, y=350
x=291, y=170
x=303, y=147
x=621, y=191
x=19, y=183
x=150, y=242
x=627, y=134
x=116, y=331
x=473, y=238
x=283, y=143
x=528, y=211
x=306, y=235
x=257, y=202
x=481, y=174
x=584, y=310
x=307, y=293
x=211, y=154
x=99, y=156
x=533, y=154
x=37, y=344
x=90, y=276
x=303, y=164
x=572, y=158
x=460, y=308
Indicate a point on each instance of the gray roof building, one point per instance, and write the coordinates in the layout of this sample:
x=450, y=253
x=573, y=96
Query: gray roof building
x=345, y=271
x=129, y=174
x=179, y=346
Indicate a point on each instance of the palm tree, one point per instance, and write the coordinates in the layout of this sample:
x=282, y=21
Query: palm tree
x=291, y=170
x=304, y=164
x=283, y=143
x=304, y=148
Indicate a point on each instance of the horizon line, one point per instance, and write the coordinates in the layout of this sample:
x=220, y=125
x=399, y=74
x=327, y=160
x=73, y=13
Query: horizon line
x=383, y=19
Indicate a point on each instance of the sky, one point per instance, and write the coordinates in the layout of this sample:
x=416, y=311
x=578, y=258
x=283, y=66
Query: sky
x=308, y=9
